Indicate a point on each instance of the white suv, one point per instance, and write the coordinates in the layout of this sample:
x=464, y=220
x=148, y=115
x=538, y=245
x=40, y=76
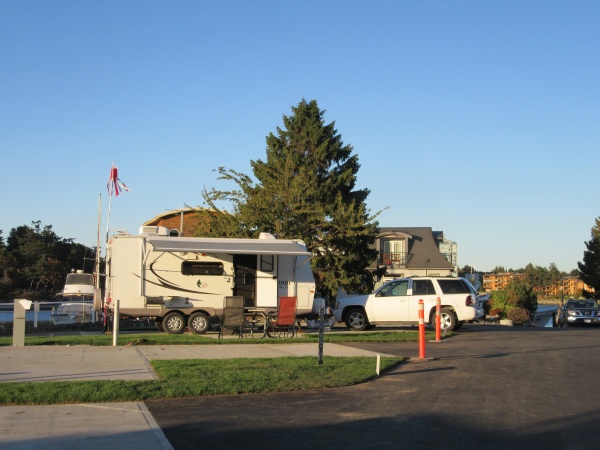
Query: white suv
x=397, y=301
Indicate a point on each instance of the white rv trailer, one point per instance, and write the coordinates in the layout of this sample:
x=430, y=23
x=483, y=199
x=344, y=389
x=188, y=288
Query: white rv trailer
x=182, y=281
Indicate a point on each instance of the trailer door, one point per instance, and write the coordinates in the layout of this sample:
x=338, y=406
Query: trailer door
x=266, y=281
x=245, y=278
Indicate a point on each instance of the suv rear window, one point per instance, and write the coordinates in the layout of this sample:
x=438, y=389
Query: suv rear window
x=422, y=287
x=454, y=287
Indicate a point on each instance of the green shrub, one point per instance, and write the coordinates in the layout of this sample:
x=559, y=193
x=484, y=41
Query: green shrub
x=518, y=315
x=515, y=295
x=521, y=295
x=499, y=302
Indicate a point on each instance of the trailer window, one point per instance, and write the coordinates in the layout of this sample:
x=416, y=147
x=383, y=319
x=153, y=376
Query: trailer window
x=267, y=263
x=201, y=268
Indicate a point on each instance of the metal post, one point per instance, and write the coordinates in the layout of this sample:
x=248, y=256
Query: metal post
x=105, y=319
x=36, y=310
x=421, y=329
x=19, y=317
x=438, y=319
x=321, y=332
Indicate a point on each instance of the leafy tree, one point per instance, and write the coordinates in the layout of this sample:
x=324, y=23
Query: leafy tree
x=6, y=263
x=542, y=279
x=589, y=269
x=37, y=259
x=306, y=188
x=499, y=269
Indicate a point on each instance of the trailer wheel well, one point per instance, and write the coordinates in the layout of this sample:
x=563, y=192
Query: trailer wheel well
x=184, y=313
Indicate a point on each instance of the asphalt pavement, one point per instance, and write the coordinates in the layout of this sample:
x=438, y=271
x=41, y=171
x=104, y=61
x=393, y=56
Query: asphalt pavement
x=490, y=387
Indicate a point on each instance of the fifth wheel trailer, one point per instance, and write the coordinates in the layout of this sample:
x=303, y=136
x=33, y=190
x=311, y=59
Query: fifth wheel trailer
x=182, y=281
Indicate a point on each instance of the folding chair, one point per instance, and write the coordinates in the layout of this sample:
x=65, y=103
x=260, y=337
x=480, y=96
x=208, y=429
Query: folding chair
x=233, y=316
x=285, y=322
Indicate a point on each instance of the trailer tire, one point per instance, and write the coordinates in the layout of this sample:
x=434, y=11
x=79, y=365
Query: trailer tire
x=174, y=323
x=199, y=323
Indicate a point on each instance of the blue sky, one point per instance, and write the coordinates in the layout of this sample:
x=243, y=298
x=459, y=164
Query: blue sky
x=477, y=118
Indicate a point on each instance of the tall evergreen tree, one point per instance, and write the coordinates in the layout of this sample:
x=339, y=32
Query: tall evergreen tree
x=306, y=188
x=589, y=269
x=40, y=259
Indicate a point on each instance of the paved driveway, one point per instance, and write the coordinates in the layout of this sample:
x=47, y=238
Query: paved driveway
x=488, y=387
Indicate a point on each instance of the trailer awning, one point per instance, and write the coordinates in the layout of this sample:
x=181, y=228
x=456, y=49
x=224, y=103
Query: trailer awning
x=229, y=246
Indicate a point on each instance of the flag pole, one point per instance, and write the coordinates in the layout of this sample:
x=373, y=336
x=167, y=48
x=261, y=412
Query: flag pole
x=104, y=302
x=98, y=290
x=110, y=191
x=114, y=185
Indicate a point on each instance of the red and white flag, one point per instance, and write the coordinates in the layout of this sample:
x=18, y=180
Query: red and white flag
x=114, y=183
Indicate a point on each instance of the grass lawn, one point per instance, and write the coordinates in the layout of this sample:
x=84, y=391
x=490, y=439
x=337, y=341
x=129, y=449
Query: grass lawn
x=188, y=378
x=155, y=338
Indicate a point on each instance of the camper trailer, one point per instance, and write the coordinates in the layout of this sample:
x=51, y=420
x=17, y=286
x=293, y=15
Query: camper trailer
x=182, y=281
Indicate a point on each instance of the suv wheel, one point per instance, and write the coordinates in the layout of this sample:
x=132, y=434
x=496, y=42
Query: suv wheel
x=448, y=319
x=356, y=320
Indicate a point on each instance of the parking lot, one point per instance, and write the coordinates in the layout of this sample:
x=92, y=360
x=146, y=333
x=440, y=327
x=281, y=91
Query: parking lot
x=489, y=386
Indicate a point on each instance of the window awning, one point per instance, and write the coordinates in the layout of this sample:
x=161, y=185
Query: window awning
x=229, y=246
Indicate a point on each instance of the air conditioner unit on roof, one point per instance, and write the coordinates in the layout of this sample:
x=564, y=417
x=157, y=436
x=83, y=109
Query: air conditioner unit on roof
x=152, y=230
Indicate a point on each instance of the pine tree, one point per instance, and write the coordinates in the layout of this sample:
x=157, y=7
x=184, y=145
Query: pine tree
x=306, y=189
x=589, y=269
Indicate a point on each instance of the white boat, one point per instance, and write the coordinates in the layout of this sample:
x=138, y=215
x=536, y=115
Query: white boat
x=69, y=313
x=76, y=300
x=79, y=287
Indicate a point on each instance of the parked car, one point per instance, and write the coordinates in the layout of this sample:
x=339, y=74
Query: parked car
x=397, y=302
x=577, y=312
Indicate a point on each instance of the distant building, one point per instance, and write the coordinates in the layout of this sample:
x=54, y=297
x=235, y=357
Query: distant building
x=565, y=286
x=497, y=281
x=186, y=220
x=410, y=251
x=572, y=286
x=449, y=249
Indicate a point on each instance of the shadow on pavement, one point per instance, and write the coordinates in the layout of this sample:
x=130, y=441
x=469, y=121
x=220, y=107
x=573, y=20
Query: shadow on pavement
x=484, y=388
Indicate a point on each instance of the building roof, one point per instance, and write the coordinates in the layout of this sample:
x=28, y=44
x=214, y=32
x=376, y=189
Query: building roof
x=423, y=251
x=168, y=214
x=186, y=220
